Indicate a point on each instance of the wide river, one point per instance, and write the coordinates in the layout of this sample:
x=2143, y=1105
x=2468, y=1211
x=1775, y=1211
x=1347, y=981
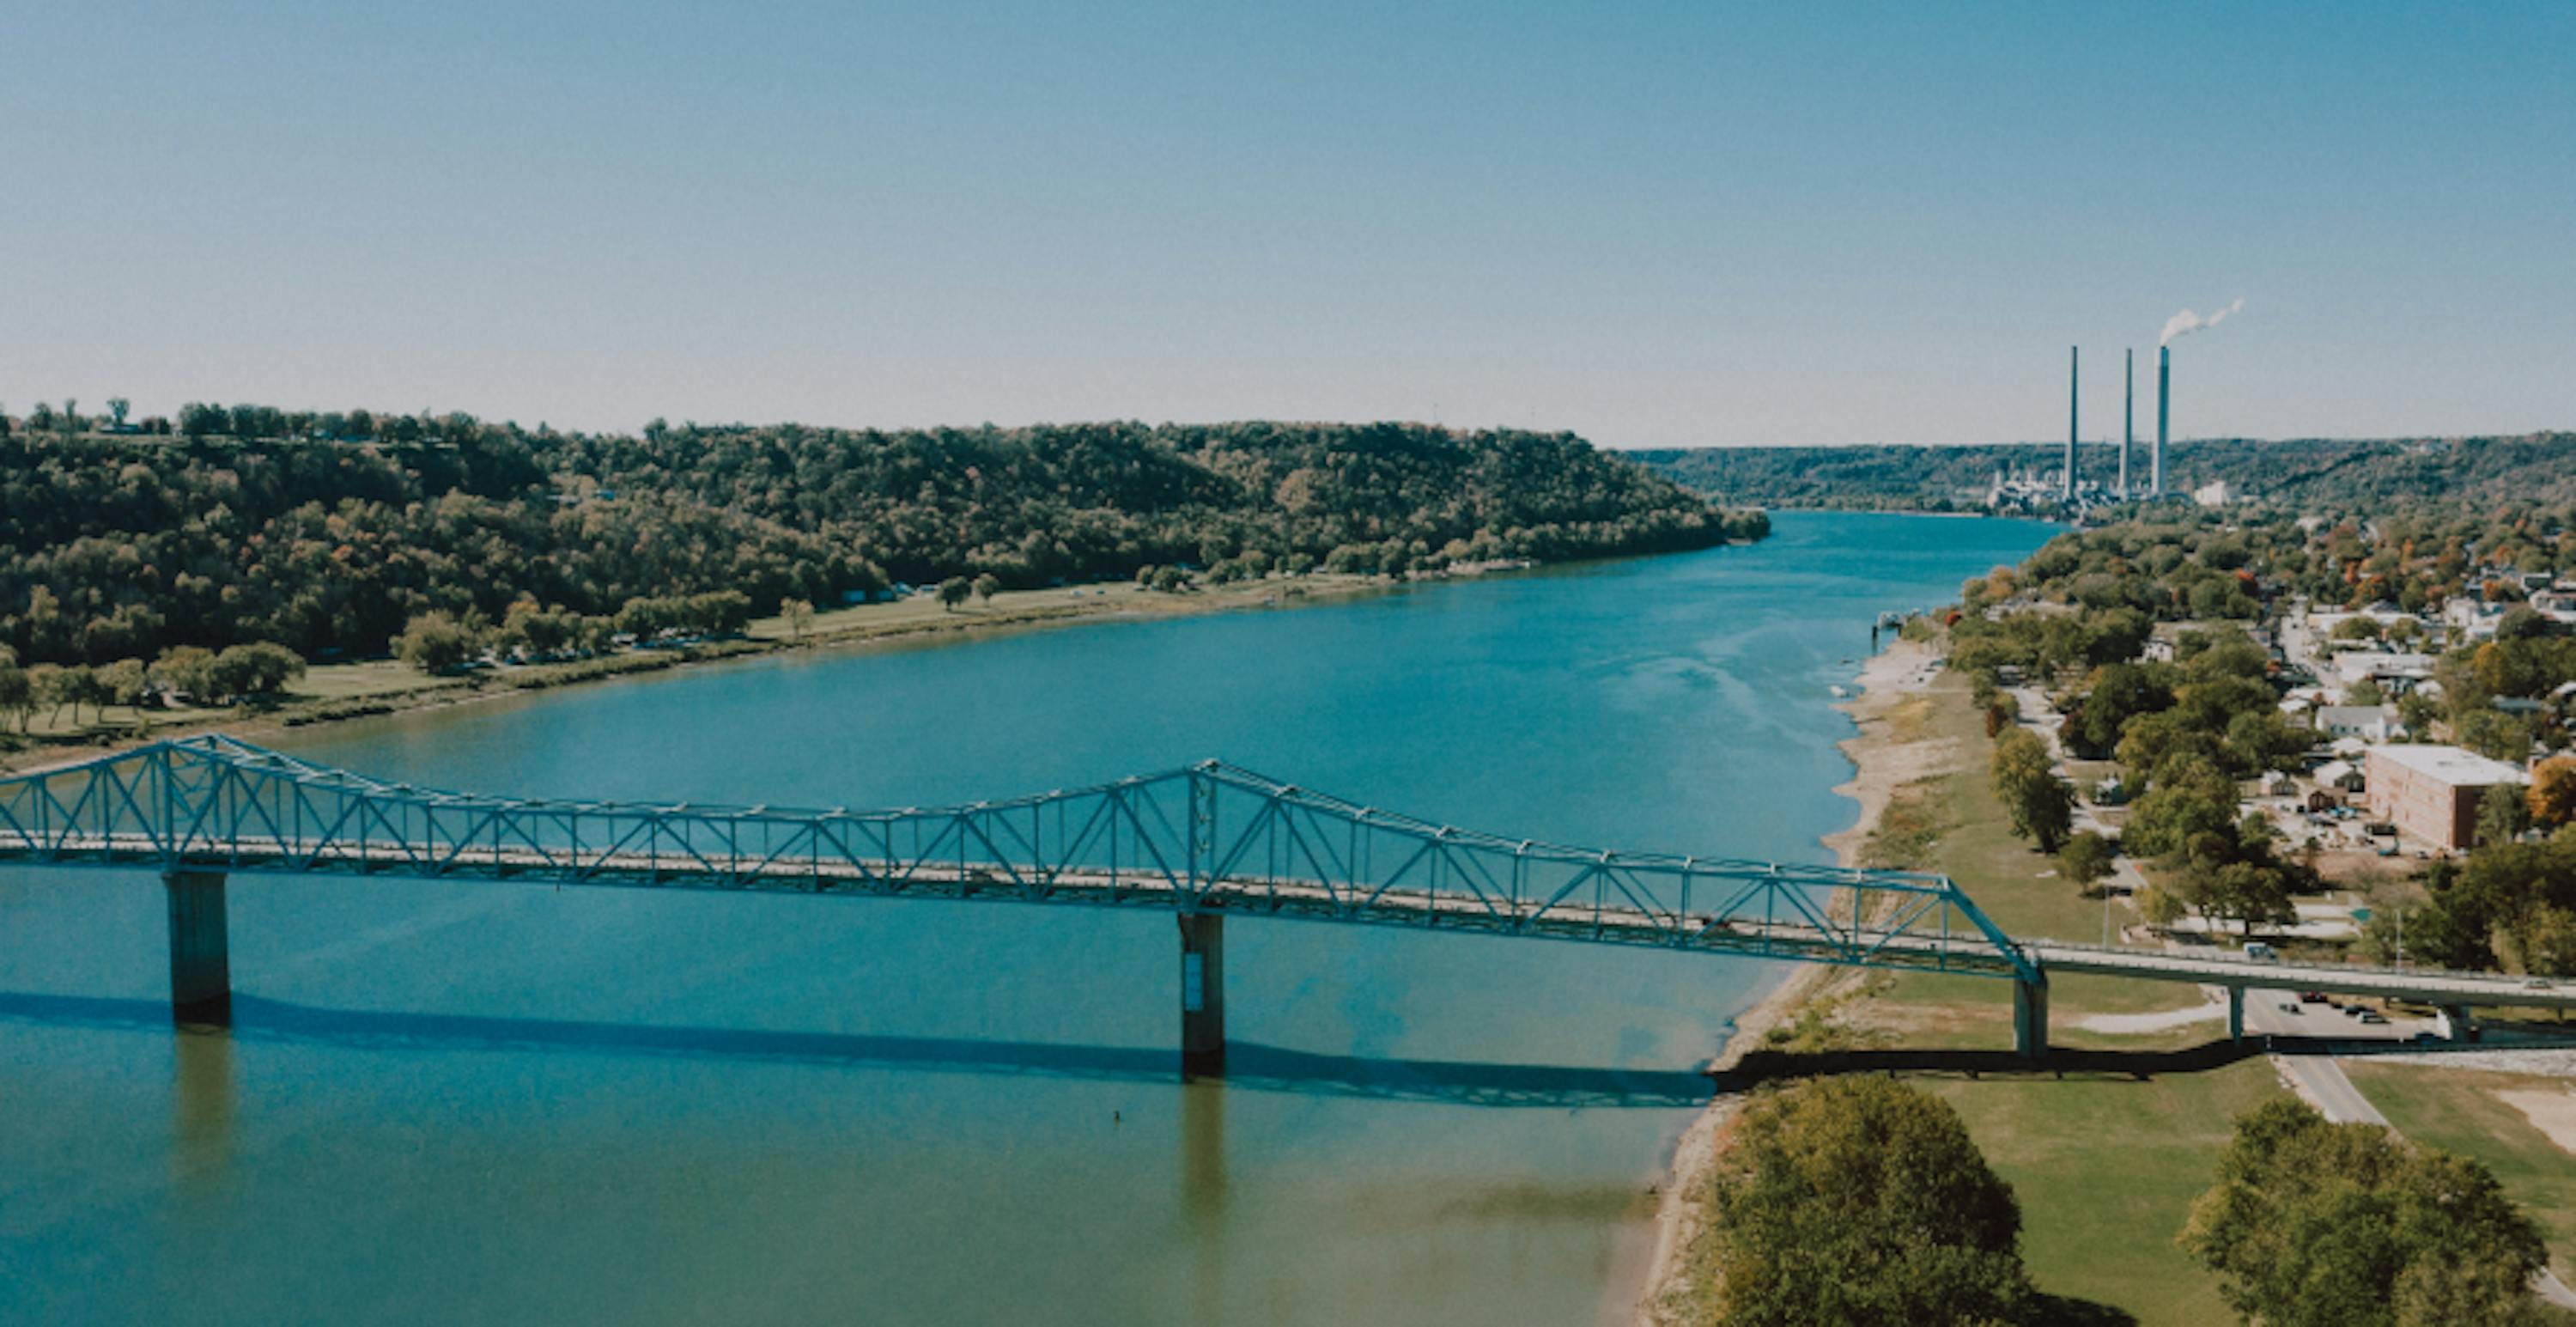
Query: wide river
x=508, y=1103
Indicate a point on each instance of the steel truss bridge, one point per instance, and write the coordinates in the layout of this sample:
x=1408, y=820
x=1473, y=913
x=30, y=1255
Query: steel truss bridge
x=1207, y=843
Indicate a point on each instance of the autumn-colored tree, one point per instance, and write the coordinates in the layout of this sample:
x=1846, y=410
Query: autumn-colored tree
x=2553, y=791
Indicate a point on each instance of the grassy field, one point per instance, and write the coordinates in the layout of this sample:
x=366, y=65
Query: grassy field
x=366, y=679
x=2106, y=1167
x=921, y=612
x=2459, y=1110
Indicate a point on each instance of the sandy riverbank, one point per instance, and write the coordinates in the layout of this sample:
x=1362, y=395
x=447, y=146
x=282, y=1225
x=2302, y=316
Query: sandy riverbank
x=1881, y=765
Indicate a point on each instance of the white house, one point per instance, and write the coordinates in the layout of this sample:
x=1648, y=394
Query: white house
x=2371, y=723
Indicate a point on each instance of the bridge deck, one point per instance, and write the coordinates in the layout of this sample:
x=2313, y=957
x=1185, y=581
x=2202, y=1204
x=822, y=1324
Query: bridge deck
x=1097, y=887
x=2435, y=987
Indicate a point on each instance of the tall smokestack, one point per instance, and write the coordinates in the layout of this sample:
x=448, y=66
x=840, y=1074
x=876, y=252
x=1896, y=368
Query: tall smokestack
x=2164, y=407
x=2070, y=422
x=2128, y=417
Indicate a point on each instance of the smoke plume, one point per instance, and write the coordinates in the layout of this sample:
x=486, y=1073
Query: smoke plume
x=2187, y=322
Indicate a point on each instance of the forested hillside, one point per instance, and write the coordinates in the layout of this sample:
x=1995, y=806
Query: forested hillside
x=328, y=533
x=2316, y=472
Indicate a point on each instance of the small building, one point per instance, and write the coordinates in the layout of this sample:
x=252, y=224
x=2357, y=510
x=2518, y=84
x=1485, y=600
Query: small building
x=2395, y=672
x=2371, y=723
x=2432, y=792
x=2215, y=493
x=2341, y=776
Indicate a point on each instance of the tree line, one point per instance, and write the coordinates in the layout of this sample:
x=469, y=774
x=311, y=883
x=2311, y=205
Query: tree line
x=330, y=533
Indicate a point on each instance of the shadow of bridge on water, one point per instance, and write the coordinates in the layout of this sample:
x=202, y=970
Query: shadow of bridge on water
x=1250, y=1066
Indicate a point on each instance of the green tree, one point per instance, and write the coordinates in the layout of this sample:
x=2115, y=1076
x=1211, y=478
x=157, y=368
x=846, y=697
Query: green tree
x=2494, y=734
x=2546, y=941
x=187, y=670
x=954, y=591
x=75, y=686
x=2503, y=813
x=124, y=682
x=2314, y=1224
x=2120, y=693
x=2192, y=798
x=17, y=692
x=2249, y=893
x=986, y=586
x=1861, y=1200
x=255, y=671
x=799, y=614
x=2259, y=740
x=434, y=642
x=2161, y=907
x=2085, y=859
x=2042, y=807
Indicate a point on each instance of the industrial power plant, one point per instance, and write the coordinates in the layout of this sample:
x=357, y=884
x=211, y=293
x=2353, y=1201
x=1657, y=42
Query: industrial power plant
x=2067, y=488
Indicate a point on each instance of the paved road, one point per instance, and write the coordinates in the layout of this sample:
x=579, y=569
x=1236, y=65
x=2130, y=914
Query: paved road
x=2318, y=1077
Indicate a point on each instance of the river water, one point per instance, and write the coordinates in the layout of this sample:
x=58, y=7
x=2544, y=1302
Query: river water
x=507, y=1103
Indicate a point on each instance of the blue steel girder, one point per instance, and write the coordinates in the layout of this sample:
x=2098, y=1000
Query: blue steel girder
x=1207, y=838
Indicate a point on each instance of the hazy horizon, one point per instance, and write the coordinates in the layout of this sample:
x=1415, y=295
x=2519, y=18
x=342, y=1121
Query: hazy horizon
x=1653, y=226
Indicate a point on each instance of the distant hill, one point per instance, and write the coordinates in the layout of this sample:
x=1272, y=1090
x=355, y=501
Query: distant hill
x=2539, y=467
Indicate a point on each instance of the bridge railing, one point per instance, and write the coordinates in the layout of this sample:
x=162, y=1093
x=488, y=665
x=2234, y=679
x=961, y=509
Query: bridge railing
x=1208, y=837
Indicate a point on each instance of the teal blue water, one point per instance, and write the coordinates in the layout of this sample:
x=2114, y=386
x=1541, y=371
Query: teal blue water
x=511, y=1103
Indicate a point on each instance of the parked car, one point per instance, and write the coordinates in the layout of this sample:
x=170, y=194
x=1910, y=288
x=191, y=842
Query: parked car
x=2372, y=1016
x=2261, y=952
x=2538, y=984
x=2312, y=997
x=2291, y=1007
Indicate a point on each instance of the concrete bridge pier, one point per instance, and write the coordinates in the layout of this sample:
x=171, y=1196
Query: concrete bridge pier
x=2236, y=1015
x=2030, y=1016
x=1202, y=995
x=201, y=981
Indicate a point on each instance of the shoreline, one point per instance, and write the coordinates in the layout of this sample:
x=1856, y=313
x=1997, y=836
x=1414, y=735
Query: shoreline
x=524, y=682
x=843, y=628
x=1879, y=768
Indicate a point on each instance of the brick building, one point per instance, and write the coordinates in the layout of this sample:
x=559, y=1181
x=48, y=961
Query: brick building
x=2431, y=793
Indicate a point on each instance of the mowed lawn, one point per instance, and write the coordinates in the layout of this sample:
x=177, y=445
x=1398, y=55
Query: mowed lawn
x=2106, y=1168
x=2464, y=1111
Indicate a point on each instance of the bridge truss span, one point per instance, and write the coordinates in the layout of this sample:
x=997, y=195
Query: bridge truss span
x=1211, y=838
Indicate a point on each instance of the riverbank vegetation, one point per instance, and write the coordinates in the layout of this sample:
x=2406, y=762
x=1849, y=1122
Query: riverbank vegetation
x=329, y=533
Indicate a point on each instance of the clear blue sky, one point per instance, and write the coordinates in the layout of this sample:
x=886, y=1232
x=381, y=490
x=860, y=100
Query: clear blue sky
x=1655, y=225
